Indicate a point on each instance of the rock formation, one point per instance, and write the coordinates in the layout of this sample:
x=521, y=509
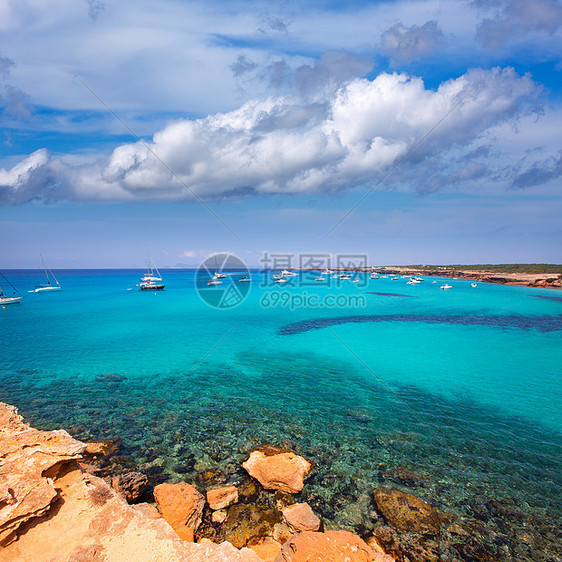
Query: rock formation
x=335, y=546
x=181, y=505
x=52, y=509
x=219, y=498
x=278, y=469
x=300, y=517
x=405, y=512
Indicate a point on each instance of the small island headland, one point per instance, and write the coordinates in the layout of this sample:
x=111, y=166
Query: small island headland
x=523, y=275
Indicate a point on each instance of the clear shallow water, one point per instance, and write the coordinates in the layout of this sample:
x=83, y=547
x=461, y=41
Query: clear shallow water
x=463, y=387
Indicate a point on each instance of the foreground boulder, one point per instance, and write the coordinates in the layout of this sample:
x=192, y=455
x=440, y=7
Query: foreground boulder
x=300, y=517
x=278, y=469
x=219, y=498
x=333, y=546
x=51, y=510
x=405, y=512
x=28, y=458
x=181, y=505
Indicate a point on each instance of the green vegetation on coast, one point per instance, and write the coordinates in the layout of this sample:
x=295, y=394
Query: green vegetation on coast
x=536, y=268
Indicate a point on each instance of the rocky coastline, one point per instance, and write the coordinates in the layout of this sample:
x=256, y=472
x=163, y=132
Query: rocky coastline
x=539, y=280
x=62, y=499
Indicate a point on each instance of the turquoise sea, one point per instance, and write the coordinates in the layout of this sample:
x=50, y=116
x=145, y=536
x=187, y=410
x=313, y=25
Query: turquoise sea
x=463, y=387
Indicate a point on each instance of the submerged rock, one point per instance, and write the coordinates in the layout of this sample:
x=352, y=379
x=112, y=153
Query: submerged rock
x=248, y=491
x=248, y=524
x=404, y=476
x=210, y=478
x=405, y=512
x=103, y=448
x=278, y=469
x=378, y=550
x=181, y=505
x=333, y=546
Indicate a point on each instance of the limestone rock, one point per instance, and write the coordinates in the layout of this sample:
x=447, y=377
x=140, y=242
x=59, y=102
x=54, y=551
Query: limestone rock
x=219, y=498
x=103, y=448
x=86, y=520
x=29, y=459
x=282, y=532
x=148, y=510
x=248, y=555
x=218, y=516
x=129, y=485
x=378, y=550
x=268, y=549
x=278, y=469
x=405, y=512
x=300, y=517
x=181, y=505
x=335, y=546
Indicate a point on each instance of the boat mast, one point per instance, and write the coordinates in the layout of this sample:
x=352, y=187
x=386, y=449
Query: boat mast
x=47, y=271
x=8, y=281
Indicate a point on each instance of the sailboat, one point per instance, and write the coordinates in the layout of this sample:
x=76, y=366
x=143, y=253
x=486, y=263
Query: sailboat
x=151, y=269
x=151, y=280
x=49, y=286
x=9, y=300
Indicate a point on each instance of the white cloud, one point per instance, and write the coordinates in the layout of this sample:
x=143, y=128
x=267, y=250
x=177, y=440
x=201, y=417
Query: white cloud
x=277, y=145
x=188, y=254
x=406, y=44
x=518, y=17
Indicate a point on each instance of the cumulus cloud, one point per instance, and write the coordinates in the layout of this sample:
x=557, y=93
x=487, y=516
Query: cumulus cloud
x=332, y=69
x=15, y=102
x=517, y=17
x=406, y=44
x=288, y=145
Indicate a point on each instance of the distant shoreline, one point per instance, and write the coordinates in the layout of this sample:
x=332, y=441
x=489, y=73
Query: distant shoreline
x=521, y=279
x=500, y=274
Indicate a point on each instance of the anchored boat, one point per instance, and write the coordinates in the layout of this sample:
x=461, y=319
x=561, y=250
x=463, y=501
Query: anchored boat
x=49, y=286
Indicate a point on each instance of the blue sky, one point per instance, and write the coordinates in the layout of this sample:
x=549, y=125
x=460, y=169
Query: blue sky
x=186, y=128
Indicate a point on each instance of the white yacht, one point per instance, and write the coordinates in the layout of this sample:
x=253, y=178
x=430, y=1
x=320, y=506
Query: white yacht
x=446, y=286
x=53, y=285
x=9, y=300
